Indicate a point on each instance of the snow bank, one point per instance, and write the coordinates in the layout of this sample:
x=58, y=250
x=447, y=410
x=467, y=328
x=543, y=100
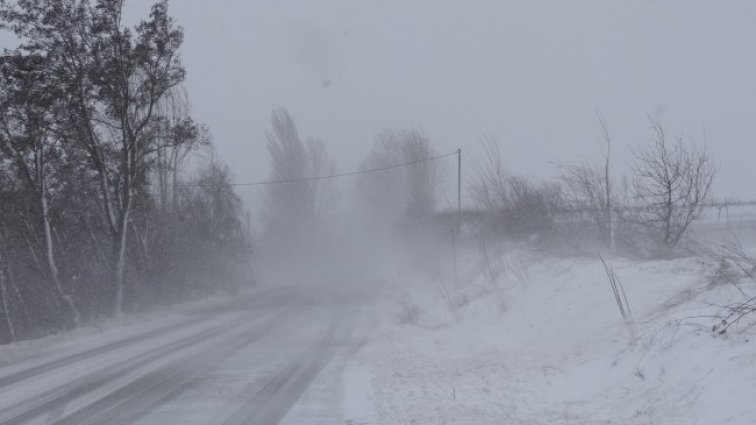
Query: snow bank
x=532, y=340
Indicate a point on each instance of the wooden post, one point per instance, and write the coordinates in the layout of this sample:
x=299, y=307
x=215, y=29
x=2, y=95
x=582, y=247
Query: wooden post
x=459, y=188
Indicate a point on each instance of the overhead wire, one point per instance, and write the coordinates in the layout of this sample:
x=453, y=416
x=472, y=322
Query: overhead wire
x=326, y=177
x=352, y=173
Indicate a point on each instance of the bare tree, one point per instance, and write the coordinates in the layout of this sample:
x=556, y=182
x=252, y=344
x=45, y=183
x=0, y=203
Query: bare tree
x=168, y=158
x=591, y=190
x=294, y=202
x=27, y=137
x=325, y=191
x=672, y=184
x=95, y=131
x=408, y=192
x=113, y=79
x=609, y=204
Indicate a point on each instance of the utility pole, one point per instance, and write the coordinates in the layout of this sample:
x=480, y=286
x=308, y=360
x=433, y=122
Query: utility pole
x=457, y=231
x=459, y=187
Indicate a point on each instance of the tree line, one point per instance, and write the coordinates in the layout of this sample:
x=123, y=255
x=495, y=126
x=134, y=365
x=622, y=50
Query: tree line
x=649, y=212
x=587, y=207
x=111, y=197
x=396, y=183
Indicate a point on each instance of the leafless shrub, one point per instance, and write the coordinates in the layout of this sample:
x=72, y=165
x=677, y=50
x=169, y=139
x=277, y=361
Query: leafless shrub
x=735, y=262
x=735, y=267
x=672, y=184
x=514, y=205
x=452, y=299
x=584, y=185
x=501, y=266
x=493, y=264
x=734, y=314
x=590, y=190
x=492, y=260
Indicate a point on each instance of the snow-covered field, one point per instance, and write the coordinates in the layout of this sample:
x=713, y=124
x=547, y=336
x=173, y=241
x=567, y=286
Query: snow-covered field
x=539, y=340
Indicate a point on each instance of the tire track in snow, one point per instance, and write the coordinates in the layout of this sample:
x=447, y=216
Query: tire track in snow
x=60, y=396
x=270, y=404
x=86, y=355
x=67, y=361
x=150, y=391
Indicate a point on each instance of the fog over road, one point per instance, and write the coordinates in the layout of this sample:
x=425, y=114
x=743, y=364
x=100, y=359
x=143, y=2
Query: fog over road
x=245, y=362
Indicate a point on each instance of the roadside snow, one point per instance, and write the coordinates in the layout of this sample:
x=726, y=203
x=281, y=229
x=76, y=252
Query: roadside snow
x=543, y=343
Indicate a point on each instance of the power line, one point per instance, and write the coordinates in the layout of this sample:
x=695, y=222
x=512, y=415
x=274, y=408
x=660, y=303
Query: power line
x=331, y=176
x=352, y=173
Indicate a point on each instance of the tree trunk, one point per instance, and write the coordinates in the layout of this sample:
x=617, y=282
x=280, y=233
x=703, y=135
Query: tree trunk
x=9, y=281
x=669, y=210
x=609, y=203
x=4, y=299
x=162, y=170
x=6, y=307
x=119, y=272
x=141, y=243
x=121, y=235
x=51, y=263
x=174, y=192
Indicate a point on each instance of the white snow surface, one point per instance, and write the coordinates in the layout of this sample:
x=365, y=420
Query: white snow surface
x=543, y=343
x=519, y=338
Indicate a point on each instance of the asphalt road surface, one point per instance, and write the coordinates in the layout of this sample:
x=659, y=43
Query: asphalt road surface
x=245, y=362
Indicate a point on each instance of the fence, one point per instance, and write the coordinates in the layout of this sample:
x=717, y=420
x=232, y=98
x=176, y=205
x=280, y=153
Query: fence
x=741, y=229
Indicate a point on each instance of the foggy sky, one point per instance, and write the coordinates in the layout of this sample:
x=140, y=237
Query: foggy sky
x=529, y=73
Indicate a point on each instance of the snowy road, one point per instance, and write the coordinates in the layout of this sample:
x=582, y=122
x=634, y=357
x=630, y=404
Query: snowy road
x=246, y=363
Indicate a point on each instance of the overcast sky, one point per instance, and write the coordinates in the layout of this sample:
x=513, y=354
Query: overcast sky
x=528, y=73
